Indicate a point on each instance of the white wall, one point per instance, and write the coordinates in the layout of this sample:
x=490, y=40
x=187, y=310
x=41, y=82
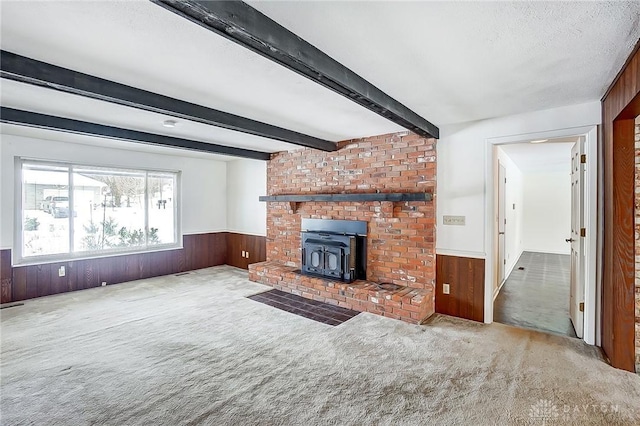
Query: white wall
x=514, y=211
x=246, y=181
x=463, y=169
x=203, y=187
x=547, y=212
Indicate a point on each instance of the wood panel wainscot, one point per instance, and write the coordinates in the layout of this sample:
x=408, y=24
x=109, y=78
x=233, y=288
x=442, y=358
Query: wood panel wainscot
x=244, y=249
x=27, y=282
x=5, y=276
x=465, y=277
x=620, y=106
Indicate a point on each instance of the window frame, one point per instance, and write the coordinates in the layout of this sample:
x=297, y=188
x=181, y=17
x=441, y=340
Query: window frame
x=21, y=260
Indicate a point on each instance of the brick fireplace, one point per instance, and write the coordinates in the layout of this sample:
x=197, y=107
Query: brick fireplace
x=400, y=260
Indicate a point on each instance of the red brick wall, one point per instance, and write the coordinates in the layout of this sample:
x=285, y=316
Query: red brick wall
x=401, y=236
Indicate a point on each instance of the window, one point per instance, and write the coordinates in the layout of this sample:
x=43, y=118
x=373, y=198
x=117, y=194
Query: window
x=72, y=211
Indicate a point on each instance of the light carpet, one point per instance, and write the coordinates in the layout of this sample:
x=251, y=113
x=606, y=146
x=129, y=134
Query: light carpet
x=192, y=349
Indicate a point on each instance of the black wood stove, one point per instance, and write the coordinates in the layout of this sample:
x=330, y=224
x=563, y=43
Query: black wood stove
x=334, y=249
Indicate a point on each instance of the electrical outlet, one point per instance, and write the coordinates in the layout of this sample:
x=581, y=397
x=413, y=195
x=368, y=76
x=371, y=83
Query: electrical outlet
x=104, y=283
x=445, y=288
x=61, y=271
x=247, y=255
x=243, y=253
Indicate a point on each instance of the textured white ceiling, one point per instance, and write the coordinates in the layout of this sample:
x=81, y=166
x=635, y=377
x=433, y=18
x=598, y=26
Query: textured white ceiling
x=52, y=135
x=449, y=61
x=143, y=45
x=551, y=156
x=461, y=61
x=46, y=101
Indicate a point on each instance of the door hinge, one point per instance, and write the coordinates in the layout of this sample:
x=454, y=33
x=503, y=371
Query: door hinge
x=583, y=232
x=583, y=158
x=504, y=261
x=581, y=306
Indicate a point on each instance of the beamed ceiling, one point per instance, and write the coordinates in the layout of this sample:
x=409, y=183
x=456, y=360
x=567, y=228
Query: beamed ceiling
x=445, y=62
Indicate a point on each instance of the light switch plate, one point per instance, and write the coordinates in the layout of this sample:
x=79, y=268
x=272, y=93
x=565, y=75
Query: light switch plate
x=445, y=288
x=61, y=271
x=454, y=220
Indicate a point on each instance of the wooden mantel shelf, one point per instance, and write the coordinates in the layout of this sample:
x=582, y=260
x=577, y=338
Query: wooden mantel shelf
x=389, y=197
x=378, y=196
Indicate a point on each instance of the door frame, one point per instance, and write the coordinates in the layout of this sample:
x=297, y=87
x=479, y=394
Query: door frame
x=619, y=245
x=592, y=286
x=501, y=206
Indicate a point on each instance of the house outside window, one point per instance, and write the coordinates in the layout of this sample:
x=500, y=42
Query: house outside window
x=72, y=211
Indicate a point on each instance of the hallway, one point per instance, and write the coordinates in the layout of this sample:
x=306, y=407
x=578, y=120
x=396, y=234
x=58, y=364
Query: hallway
x=537, y=296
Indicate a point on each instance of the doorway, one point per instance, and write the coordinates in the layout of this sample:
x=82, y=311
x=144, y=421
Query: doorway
x=536, y=208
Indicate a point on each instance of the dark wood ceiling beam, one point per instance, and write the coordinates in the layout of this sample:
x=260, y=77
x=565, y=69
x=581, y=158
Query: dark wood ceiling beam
x=50, y=122
x=26, y=70
x=246, y=26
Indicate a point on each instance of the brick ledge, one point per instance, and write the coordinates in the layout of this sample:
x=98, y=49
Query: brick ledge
x=408, y=304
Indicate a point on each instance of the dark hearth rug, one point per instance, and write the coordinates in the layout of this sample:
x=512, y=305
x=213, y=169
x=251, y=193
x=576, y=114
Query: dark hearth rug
x=312, y=309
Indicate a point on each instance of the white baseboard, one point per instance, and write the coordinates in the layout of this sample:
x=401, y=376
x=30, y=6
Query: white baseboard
x=548, y=251
x=461, y=253
x=246, y=233
x=506, y=276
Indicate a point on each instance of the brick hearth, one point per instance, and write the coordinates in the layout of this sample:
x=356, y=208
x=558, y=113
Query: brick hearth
x=400, y=235
x=406, y=303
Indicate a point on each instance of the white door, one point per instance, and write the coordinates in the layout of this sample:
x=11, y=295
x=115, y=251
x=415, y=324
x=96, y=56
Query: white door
x=502, y=221
x=576, y=299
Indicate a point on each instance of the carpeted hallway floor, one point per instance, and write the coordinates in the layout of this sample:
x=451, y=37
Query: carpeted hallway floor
x=193, y=349
x=537, y=296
